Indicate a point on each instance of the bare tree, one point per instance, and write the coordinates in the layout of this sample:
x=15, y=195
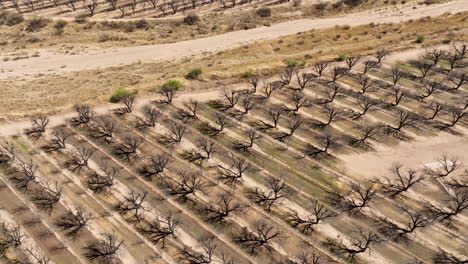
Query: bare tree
x=253, y=80
x=446, y=166
x=398, y=95
x=415, y=220
x=112, y=3
x=368, y=131
x=303, y=79
x=26, y=176
x=352, y=61
x=151, y=115
x=71, y=4
x=133, y=203
x=192, y=106
x=405, y=120
x=400, y=181
x=104, y=127
x=453, y=59
x=429, y=87
x=397, y=74
x=274, y=112
x=369, y=65
x=231, y=98
x=159, y=229
x=286, y=74
x=221, y=121
x=358, y=197
x=80, y=159
x=10, y=237
x=168, y=92
x=299, y=100
x=73, y=221
x=105, y=250
x=85, y=114
x=309, y=257
x=235, y=171
x=37, y=256
x=58, y=141
x=443, y=257
x=248, y=103
x=102, y=182
x=154, y=3
x=461, y=50
x=326, y=141
x=225, y=206
x=332, y=94
x=46, y=197
x=456, y=115
x=306, y=223
x=357, y=246
x=380, y=55
x=39, y=124
x=187, y=183
x=269, y=88
x=253, y=136
x=274, y=193
x=435, y=107
x=366, y=104
x=129, y=146
x=261, y=237
x=366, y=84
x=206, y=148
x=156, y=165
x=204, y=255
x=332, y=114
x=176, y=132
x=90, y=7
x=423, y=67
x=455, y=205
x=7, y=152
x=338, y=72
x=434, y=55
x=458, y=79
x=128, y=102
x=320, y=67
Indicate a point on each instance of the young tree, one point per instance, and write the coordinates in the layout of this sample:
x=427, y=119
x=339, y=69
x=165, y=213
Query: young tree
x=446, y=166
x=187, y=183
x=225, y=206
x=85, y=114
x=261, y=237
x=400, y=181
x=73, y=221
x=233, y=174
x=105, y=250
x=274, y=193
x=306, y=223
x=39, y=124
x=134, y=203
x=159, y=229
x=156, y=165
x=320, y=67
x=358, y=197
x=169, y=89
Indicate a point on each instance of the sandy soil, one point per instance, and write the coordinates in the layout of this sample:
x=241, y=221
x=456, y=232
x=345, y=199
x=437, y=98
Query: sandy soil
x=51, y=61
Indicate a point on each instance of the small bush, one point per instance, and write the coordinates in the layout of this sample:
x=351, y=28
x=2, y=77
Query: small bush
x=342, y=56
x=172, y=84
x=129, y=27
x=119, y=94
x=191, y=19
x=264, y=12
x=81, y=19
x=36, y=24
x=420, y=39
x=292, y=63
x=142, y=24
x=194, y=73
x=10, y=18
x=60, y=24
x=321, y=6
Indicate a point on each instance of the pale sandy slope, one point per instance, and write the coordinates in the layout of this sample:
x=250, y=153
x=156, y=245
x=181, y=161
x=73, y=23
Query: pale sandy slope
x=50, y=61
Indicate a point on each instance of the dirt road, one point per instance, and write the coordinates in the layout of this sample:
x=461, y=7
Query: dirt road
x=51, y=61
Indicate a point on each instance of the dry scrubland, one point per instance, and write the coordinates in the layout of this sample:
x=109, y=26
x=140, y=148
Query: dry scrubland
x=47, y=93
x=254, y=177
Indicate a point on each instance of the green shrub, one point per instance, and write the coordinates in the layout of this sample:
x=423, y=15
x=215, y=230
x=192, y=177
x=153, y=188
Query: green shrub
x=119, y=93
x=264, y=12
x=142, y=24
x=10, y=18
x=60, y=24
x=420, y=39
x=342, y=56
x=292, y=63
x=172, y=84
x=194, y=73
x=36, y=24
x=191, y=19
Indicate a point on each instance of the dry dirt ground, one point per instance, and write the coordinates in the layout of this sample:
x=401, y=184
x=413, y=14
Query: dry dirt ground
x=50, y=61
